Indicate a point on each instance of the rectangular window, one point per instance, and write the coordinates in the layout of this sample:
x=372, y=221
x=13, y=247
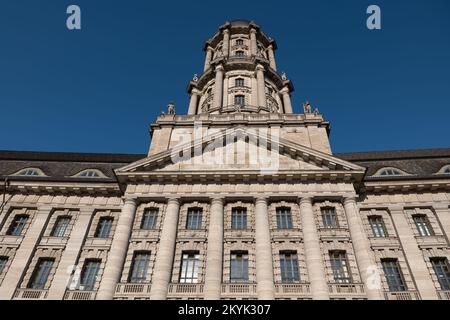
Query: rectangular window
x=239, y=267
x=239, y=218
x=89, y=274
x=339, y=266
x=17, y=225
x=394, y=275
x=189, y=267
x=239, y=100
x=149, y=219
x=239, y=42
x=289, y=267
x=239, y=82
x=194, y=218
x=240, y=54
x=3, y=262
x=284, y=218
x=423, y=225
x=139, y=267
x=329, y=218
x=104, y=227
x=377, y=226
x=61, y=224
x=442, y=270
x=40, y=274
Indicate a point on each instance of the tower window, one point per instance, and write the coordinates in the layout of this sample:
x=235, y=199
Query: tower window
x=239, y=218
x=194, y=218
x=89, y=274
x=61, y=224
x=329, y=218
x=377, y=226
x=40, y=274
x=189, y=267
x=442, y=270
x=339, y=266
x=239, y=82
x=17, y=225
x=239, y=267
x=149, y=219
x=239, y=42
x=240, y=53
x=104, y=227
x=139, y=267
x=423, y=225
x=239, y=100
x=289, y=267
x=284, y=218
x=394, y=275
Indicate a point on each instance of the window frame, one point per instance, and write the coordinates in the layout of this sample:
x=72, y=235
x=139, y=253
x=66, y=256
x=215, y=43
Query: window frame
x=139, y=268
x=153, y=213
x=239, y=218
x=189, y=268
x=289, y=268
x=194, y=218
x=99, y=230
x=239, y=100
x=11, y=231
x=398, y=284
x=87, y=282
x=239, y=260
x=284, y=218
x=340, y=266
x=423, y=225
x=3, y=263
x=330, y=218
x=441, y=268
x=40, y=275
x=56, y=226
x=378, y=227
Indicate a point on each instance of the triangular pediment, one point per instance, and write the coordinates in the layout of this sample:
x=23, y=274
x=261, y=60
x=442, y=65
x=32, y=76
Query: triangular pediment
x=239, y=150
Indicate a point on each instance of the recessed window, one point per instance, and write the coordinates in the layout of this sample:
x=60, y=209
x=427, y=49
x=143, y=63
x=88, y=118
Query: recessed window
x=394, y=275
x=149, y=219
x=139, y=267
x=40, y=274
x=239, y=82
x=289, y=267
x=339, y=266
x=3, y=262
x=90, y=174
x=423, y=225
x=194, y=218
x=389, y=172
x=239, y=218
x=104, y=227
x=239, y=42
x=240, y=53
x=239, y=267
x=284, y=218
x=239, y=100
x=61, y=225
x=89, y=274
x=329, y=218
x=17, y=225
x=377, y=226
x=442, y=270
x=30, y=172
x=189, y=267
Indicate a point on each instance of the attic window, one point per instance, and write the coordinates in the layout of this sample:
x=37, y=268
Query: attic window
x=30, y=172
x=389, y=172
x=90, y=173
x=444, y=170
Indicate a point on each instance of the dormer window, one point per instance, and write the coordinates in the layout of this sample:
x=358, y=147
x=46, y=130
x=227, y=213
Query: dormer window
x=444, y=170
x=239, y=82
x=90, y=173
x=30, y=172
x=389, y=172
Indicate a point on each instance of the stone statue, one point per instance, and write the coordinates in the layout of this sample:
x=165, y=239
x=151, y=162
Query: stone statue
x=195, y=78
x=283, y=76
x=171, y=108
x=307, y=107
x=316, y=112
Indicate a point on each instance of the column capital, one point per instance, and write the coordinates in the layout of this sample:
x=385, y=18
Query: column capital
x=173, y=200
x=209, y=48
x=252, y=30
x=441, y=206
x=270, y=47
x=284, y=91
x=395, y=209
x=217, y=199
x=219, y=67
x=261, y=199
x=130, y=200
x=226, y=31
x=260, y=67
x=306, y=200
x=349, y=200
x=195, y=91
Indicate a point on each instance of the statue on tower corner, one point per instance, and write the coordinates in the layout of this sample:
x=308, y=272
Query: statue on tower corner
x=283, y=76
x=307, y=107
x=195, y=78
x=171, y=108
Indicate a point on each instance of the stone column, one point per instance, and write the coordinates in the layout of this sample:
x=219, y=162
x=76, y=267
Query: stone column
x=209, y=53
x=286, y=100
x=413, y=254
x=162, y=273
x=214, y=255
x=193, y=102
x=218, y=87
x=313, y=253
x=264, y=257
x=253, y=44
x=69, y=257
x=363, y=252
x=24, y=253
x=225, y=91
x=272, y=62
x=226, y=42
x=118, y=251
x=261, y=86
x=443, y=215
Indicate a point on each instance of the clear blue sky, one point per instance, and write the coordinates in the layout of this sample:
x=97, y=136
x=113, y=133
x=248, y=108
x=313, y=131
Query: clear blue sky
x=98, y=89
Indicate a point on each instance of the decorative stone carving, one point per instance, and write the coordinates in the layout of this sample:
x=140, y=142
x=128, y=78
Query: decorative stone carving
x=307, y=107
x=171, y=108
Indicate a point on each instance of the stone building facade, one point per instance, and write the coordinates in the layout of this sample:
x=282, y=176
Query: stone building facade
x=239, y=199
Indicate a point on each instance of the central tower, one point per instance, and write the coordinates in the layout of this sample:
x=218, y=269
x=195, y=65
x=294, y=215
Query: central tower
x=240, y=74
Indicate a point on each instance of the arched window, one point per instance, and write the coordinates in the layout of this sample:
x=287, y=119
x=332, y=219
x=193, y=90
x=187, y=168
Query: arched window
x=389, y=172
x=30, y=172
x=444, y=170
x=90, y=173
x=239, y=82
